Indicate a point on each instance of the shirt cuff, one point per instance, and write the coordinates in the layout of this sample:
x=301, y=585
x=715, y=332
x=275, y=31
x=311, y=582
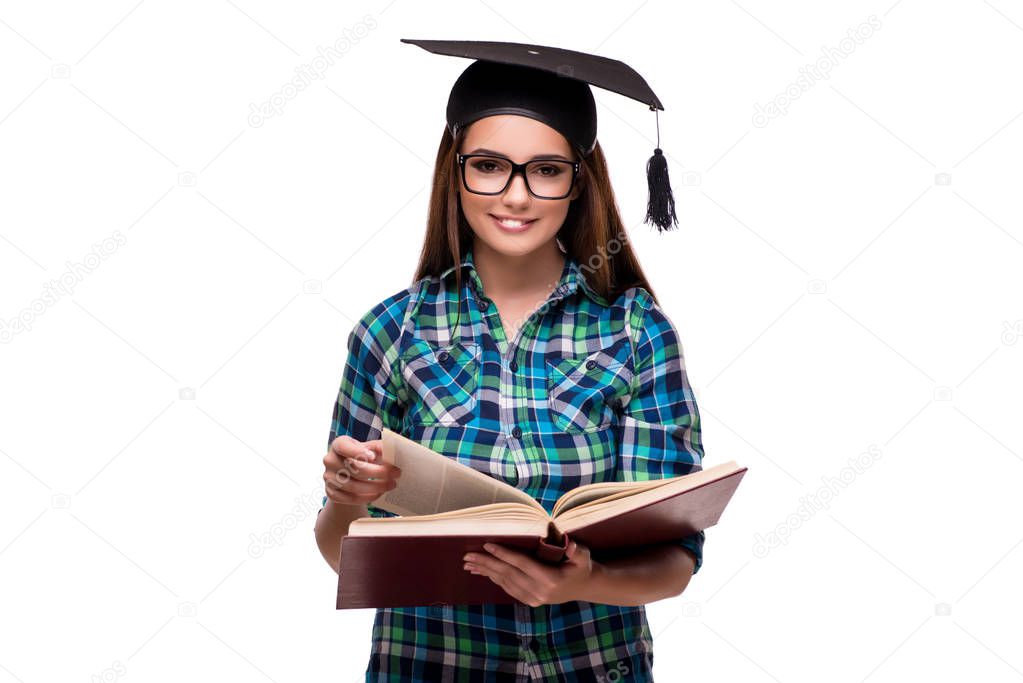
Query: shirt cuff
x=694, y=542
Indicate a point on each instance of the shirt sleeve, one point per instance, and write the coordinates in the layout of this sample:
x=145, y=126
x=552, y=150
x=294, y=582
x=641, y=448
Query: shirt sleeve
x=368, y=398
x=659, y=426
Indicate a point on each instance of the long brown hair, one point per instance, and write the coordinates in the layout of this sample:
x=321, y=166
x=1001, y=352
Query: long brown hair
x=593, y=233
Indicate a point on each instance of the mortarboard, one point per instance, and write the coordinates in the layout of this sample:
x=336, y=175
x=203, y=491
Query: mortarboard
x=551, y=85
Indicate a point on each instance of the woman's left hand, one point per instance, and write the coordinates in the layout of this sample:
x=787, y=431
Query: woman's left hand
x=530, y=581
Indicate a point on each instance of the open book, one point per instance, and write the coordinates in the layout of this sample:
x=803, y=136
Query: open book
x=447, y=509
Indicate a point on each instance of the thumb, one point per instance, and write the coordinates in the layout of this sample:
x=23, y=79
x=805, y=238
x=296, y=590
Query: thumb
x=376, y=449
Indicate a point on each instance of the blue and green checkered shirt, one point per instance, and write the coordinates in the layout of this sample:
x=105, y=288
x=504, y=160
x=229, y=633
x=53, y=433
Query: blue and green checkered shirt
x=590, y=390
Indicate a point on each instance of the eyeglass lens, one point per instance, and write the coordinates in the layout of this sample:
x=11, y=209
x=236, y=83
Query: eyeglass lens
x=545, y=177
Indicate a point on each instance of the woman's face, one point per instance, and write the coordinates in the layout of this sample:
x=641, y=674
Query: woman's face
x=520, y=139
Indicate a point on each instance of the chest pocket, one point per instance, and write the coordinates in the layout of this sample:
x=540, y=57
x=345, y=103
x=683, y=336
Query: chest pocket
x=583, y=390
x=441, y=381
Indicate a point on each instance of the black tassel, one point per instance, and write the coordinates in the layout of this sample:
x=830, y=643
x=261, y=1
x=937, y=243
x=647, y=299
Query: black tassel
x=660, y=206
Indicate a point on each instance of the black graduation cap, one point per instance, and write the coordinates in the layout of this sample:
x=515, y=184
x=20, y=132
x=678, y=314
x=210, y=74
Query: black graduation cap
x=551, y=85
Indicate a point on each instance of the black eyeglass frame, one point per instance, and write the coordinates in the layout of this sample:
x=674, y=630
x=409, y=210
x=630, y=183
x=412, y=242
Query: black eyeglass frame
x=517, y=169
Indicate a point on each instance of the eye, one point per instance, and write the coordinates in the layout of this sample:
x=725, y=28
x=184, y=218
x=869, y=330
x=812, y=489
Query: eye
x=548, y=170
x=487, y=165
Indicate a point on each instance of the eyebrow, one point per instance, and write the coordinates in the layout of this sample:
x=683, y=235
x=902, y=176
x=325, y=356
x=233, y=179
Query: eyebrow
x=483, y=150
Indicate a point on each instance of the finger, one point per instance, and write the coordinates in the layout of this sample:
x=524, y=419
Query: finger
x=519, y=560
x=364, y=460
x=346, y=447
x=349, y=499
x=370, y=490
x=340, y=452
x=503, y=577
x=509, y=576
x=342, y=483
x=368, y=472
x=357, y=488
x=516, y=593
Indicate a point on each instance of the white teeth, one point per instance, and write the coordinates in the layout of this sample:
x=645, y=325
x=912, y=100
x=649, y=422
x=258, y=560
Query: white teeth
x=509, y=223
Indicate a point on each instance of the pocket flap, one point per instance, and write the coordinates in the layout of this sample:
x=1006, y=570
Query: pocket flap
x=595, y=364
x=422, y=352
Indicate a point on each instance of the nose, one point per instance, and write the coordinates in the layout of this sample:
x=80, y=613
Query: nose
x=516, y=193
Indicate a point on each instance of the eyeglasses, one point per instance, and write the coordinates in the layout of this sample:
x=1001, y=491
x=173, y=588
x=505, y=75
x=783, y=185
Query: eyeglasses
x=545, y=178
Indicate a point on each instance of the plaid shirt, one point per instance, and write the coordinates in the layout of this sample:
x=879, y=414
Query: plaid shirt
x=588, y=391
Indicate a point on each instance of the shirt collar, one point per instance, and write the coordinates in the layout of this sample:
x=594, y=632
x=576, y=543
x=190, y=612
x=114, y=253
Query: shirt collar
x=572, y=278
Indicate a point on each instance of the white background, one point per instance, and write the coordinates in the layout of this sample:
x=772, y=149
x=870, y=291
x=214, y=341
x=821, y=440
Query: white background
x=846, y=279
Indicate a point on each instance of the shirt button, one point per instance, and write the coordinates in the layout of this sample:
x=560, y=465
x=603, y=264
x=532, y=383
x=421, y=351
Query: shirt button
x=443, y=356
x=590, y=364
x=514, y=366
x=534, y=645
x=516, y=432
x=484, y=304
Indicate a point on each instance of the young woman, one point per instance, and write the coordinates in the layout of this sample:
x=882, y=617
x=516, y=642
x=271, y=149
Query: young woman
x=530, y=347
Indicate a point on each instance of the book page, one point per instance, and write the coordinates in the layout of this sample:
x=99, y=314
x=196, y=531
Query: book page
x=498, y=518
x=600, y=490
x=592, y=495
x=432, y=483
x=625, y=501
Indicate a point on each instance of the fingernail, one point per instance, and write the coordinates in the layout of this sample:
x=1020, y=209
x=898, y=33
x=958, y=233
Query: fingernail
x=489, y=547
x=469, y=557
x=467, y=566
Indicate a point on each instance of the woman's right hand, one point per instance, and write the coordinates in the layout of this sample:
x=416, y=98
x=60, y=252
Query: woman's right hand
x=355, y=472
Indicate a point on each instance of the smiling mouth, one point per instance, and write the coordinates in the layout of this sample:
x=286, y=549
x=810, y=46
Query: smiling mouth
x=512, y=223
